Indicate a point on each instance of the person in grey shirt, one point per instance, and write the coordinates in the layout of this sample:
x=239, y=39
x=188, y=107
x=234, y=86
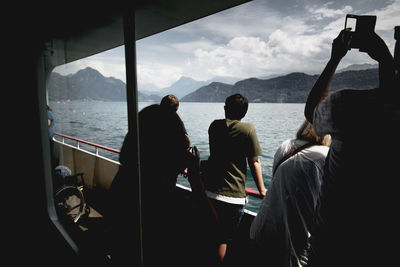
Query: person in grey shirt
x=282, y=225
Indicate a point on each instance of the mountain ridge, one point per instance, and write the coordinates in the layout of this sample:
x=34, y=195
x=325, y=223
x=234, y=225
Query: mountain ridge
x=291, y=88
x=90, y=84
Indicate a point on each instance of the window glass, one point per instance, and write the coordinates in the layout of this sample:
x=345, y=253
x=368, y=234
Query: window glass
x=88, y=100
x=272, y=53
x=87, y=111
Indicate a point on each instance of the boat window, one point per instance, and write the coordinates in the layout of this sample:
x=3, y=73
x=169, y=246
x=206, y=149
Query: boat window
x=87, y=110
x=88, y=102
x=204, y=61
x=270, y=53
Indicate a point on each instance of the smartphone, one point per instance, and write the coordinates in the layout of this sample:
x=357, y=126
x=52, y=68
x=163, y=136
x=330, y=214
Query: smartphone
x=360, y=28
x=350, y=23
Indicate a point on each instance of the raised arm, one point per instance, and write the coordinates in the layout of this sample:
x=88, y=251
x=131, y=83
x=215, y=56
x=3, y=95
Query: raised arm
x=256, y=172
x=378, y=50
x=320, y=90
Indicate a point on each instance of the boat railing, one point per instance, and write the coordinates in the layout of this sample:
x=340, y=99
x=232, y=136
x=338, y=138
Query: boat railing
x=80, y=141
x=249, y=192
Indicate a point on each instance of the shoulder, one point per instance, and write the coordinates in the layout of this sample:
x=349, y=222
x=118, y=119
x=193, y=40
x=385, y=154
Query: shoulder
x=246, y=124
x=217, y=124
x=317, y=151
x=314, y=156
x=287, y=146
x=245, y=127
x=283, y=150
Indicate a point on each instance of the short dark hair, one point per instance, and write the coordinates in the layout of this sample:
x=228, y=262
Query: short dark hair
x=236, y=107
x=170, y=102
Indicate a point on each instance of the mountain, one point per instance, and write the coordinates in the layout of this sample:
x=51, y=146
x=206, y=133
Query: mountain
x=184, y=86
x=224, y=79
x=290, y=88
x=180, y=88
x=214, y=92
x=363, y=66
x=85, y=84
x=89, y=84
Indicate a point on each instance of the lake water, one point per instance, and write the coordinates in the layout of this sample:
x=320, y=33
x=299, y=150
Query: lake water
x=105, y=123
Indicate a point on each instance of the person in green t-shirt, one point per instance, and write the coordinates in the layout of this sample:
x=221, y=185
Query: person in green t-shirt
x=233, y=145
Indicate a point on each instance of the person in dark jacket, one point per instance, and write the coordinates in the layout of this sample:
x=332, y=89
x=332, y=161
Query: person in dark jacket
x=355, y=211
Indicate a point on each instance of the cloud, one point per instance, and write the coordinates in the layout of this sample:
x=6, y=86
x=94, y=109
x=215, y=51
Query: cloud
x=255, y=39
x=232, y=59
x=159, y=74
x=252, y=57
x=324, y=11
x=236, y=44
x=301, y=43
x=388, y=16
x=110, y=63
x=255, y=18
x=292, y=47
x=187, y=47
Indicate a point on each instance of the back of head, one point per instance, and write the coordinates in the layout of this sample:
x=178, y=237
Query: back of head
x=163, y=141
x=169, y=103
x=306, y=132
x=236, y=107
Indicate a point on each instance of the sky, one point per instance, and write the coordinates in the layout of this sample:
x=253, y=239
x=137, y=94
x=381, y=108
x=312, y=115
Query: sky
x=256, y=39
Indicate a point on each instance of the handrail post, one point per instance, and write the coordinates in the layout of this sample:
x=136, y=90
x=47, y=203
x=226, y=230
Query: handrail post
x=133, y=129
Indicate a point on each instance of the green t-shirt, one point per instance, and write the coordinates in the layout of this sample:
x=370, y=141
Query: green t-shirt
x=231, y=143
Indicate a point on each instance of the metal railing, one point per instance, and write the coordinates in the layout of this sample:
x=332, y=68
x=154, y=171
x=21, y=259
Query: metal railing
x=250, y=192
x=78, y=141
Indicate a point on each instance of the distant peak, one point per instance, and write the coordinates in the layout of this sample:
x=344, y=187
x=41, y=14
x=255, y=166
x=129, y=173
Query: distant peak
x=89, y=70
x=217, y=83
x=356, y=67
x=296, y=74
x=183, y=78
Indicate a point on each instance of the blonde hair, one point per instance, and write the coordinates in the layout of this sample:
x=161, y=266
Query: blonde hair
x=306, y=132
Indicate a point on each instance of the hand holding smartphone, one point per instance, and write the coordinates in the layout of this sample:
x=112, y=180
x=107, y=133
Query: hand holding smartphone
x=360, y=29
